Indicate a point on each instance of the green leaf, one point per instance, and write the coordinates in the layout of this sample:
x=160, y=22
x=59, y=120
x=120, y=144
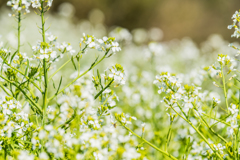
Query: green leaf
x=94, y=62
x=59, y=86
x=74, y=63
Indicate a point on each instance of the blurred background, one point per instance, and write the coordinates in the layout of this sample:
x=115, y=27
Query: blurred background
x=176, y=18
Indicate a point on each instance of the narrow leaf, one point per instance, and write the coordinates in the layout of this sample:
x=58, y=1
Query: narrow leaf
x=59, y=86
x=74, y=63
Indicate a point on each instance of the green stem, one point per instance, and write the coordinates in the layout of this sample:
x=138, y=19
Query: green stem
x=65, y=125
x=224, y=88
x=168, y=135
x=59, y=69
x=201, y=135
x=19, y=28
x=99, y=93
x=150, y=144
x=66, y=63
x=5, y=90
x=44, y=67
x=24, y=76
x=204, y=122
x=24, y=93
x=78, y=77
x=19, y=32
x=219, y=120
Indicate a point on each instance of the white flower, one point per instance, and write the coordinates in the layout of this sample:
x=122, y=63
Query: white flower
x=21, y=128
x=234, y=109
x=44, y=53
x=115, y=47
x=188, y=103
x=53, y=54
x=231, y=129
x=221, y=59
x=36, y=4
x=51, y=38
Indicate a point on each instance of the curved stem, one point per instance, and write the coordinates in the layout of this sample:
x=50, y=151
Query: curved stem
x=204, y=122
x=201, y=135
x=150, y=144
x=24, y=93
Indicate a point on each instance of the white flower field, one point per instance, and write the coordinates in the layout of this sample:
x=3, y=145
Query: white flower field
x=78, y=90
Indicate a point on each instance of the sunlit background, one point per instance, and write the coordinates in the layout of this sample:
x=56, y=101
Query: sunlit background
x=176, y=18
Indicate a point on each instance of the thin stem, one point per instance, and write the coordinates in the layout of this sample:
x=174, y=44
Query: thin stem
x=204, y=138
x=19, y=32
x=78, y=77
x=5, y=90
x=150, y=144
x=99, y=93
x=24, y=76
x=204, y=122
x=44, y=67
x=24, y=93
x=66, y=63
x=224, y=88
x=168, y=136
x=59, y=69
x=219, y=120
x=19, y=28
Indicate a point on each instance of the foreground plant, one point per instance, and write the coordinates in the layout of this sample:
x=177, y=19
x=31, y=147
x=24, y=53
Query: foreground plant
x=67, y=119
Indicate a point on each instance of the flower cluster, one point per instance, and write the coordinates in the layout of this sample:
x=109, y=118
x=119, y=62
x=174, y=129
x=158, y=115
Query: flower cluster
x=14, y=123
x=104, y=44
x=235, y=25
x=117, y=73
x=18, y=5
x=226, y=63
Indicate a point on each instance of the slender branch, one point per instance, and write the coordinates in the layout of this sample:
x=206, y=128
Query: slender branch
x=150, y=144
x=5, y=90
x=59, y=69
x=99, y=93
x=224, y=88
x=19, y=31
x=24, y=93
x=24, y=76
x=45, y=103
x=78, y=77
x=69, y=121
x=204, y=138
x=204, y=122
x=219, y=120
x=66, y=64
